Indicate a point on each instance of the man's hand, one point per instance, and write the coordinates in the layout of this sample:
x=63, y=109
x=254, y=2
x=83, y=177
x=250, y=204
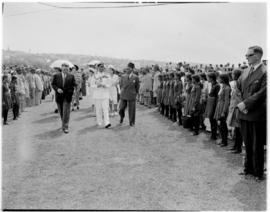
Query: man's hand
x=59, y=90
x=241, y=106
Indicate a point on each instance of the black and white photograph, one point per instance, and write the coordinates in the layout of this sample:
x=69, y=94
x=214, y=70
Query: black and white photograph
x=134, y=105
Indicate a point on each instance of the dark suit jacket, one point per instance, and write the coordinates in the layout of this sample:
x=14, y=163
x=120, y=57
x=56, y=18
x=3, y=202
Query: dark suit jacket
x=129, y=87
x=253, y=94
x=68, y=88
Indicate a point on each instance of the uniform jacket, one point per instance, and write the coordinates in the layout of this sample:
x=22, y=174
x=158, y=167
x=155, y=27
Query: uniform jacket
x=223, y=103
x=194, y=107
x=68, y=87
x=178, y=89
x=171, y=94
x=129, y=87
x=101, y=92
x=167, y=92
x=253, y=94
x=212, y=100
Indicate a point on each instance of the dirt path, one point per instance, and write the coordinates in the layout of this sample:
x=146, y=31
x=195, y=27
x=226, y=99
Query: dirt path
x=152, y=166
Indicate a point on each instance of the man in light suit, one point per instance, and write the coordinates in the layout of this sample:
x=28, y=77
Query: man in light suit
x=129, y=85
x=101, y=95
x=252, y=115
x=64, y=83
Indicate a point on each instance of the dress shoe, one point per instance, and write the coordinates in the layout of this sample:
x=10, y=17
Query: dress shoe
x=107, y=126
x=5, y=123
x=65, y=130
x=78, y=107
x=72, y=109
x=244, y=173
x=121, y=120
x=131, y=124
x=259, y=178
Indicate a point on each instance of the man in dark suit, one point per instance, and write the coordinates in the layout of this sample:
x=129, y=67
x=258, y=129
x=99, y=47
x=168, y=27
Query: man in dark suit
x=64, y=83
x=129, y=85
x=252, y=115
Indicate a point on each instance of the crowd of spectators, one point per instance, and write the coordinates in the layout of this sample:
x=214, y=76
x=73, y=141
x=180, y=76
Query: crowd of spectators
x=23, y=87
x=208, y=98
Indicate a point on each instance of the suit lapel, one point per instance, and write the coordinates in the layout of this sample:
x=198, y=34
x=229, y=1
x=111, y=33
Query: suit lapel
x=253, y=76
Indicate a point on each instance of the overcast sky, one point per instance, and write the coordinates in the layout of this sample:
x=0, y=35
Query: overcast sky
x=207, y=33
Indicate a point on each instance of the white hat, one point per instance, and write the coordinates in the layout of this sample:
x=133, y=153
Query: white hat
x=111, y=67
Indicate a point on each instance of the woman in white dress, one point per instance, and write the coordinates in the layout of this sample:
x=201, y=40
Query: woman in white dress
x=114, y=90
x=90, y=89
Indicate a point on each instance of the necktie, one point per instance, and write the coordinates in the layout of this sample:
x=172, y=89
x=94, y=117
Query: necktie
x=64, y=79
x=250, y=71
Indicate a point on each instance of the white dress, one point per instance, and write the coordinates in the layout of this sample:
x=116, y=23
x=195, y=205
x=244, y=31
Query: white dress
x=114, y=87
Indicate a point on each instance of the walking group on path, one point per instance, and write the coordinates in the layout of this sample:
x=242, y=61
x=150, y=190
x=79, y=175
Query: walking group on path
x=222, y=99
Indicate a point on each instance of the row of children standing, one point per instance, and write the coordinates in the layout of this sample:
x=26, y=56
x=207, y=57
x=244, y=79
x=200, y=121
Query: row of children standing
x=190, y=99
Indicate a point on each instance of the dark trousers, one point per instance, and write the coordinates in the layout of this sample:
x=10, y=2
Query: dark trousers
x=254, y=136
x=195, y=123
x=238, y=141
x=15, y=109
x=179, y=114
x=223, y=130
x=173, y=114
x=5, y=114
x=154, y=100
x=131, y=109
x=64, y=111
x=162, y=110
x=213, y=123
x=167, y=110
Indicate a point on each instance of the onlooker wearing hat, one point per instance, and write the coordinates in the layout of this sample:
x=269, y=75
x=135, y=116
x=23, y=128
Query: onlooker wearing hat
x=252, y=85
x=64, y=83
x=129, y=85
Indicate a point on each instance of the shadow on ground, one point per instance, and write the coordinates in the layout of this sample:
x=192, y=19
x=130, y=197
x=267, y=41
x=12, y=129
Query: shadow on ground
x=81, y=118
x=50, y=134
x=46, y=120
x=252, y=201
x=87, y=130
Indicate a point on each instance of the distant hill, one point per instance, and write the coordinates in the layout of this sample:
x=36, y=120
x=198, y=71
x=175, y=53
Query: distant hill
x=44, y=60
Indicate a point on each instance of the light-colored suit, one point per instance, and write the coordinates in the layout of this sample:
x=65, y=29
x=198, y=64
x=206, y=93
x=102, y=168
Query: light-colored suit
x=101, y=96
